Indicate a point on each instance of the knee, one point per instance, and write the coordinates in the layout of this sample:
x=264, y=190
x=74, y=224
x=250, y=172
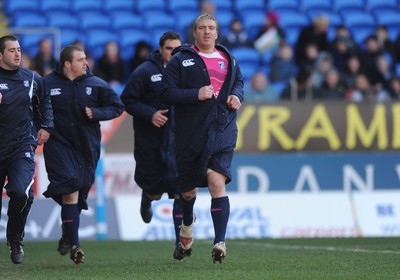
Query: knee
x=189, y=195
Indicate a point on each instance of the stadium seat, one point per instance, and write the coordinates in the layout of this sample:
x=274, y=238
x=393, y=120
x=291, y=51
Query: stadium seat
x=224, y=18
x=128, y=40
x=118, y=5
x=384, y=5
x=246, y=55
x=249, y=6
x=320, y=6
x=156, y=20
x=184, y=20
x=292, y=19
x=391, y=19
x=69, y=35
x=97, y=39
x=29, y=20
x=333, y=17
x=30, y=42
x=179, y=6
x=63, y=20
x=223, y=5
x=283, y=5
x=51, y=6
x=11, y=8
x=79, y=6
x=94, y=20
x=145, y=6
x=343, y=6
x=357, y=19
x=252, y=22
x=126, y=20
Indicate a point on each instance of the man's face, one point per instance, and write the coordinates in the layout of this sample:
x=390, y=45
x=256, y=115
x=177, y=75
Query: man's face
x=78, y=64
x=11, y=58
x=166, y=50
x=206, y=34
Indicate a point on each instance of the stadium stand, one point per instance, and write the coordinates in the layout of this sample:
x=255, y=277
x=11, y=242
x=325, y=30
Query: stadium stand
x=128, y=21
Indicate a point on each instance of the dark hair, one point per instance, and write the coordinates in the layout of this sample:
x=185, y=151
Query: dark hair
x=169, y=36
x=67, y=53
x=4, y=39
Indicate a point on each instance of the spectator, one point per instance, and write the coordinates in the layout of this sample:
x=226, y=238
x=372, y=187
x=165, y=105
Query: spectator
x=237, y=36
x=282, y=65
x=44, y=61
x=323, y=64
x=386, y=74
x=300, y=88
x=26, y=61
x=386, y=44
x=365, y=91
x=340, y=53
x=351, y=71
x=110, y=66
x=332, y=87
x=142, y=51
x=271, y=34
x=369, y=58
x=315, y=33
x=343, y=34
x=260, y=90
x=309, y=59
x=394, y=89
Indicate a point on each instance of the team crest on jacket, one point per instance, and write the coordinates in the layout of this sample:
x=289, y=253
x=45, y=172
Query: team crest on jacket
x=156, y=78
x=26, y=83
x=222, y=65
x=88, y=90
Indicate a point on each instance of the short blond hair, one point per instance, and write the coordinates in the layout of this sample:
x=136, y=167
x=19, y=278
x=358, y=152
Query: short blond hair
x=203, y=17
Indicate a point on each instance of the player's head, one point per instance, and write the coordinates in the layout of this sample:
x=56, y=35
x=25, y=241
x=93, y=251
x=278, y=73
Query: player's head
x=10, y=52
x=73, y=61
x=168, y=42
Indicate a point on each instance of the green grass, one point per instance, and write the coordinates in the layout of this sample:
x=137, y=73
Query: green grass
x=325, y=258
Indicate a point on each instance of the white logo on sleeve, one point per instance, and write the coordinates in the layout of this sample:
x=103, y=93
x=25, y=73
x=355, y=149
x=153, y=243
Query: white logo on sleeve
x=88, y=90
x=188, y=62
x=156, y=78
x=55, y=91
x=3, y=86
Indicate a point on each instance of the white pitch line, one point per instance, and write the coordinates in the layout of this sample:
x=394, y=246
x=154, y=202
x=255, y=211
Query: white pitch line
x=315, y=248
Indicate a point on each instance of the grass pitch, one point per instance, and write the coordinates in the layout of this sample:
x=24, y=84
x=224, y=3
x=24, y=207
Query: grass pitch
x=324, y=258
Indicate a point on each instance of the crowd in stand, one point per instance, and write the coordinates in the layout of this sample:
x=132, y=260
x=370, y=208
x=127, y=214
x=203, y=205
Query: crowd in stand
x=313, y=68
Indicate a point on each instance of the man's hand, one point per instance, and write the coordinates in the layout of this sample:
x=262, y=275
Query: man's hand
x=159, y=118
x=233, y=102
x=206, y=92
x=89, y=112
x=43, y=136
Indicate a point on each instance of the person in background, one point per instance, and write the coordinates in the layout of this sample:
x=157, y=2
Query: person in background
x=204, y=83
x=80, y=101
x=270, y=35
x=110, y=66
x=155, y=170
x=44, y=61
x=26, y=120
x=260, y=90
x=331, y=88
x=365, y=91
x=142, y=51
x=283, y=67
x=237, y=36
x=351, y=71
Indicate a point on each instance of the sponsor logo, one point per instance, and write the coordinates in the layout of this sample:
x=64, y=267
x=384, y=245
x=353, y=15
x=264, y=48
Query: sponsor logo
x=26, y=83
x=222, y=65
x=88, y=90
x=188, y=62
x=3, y=86
x=55, y=91
x=156, y=78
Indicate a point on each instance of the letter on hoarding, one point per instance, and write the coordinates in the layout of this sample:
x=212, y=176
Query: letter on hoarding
x=396, y=126
x=356, y=128
x=318, y=126
x=270, y=123
x=351, y=177
x=306, y=176
x=242, y=120
x=243, y=183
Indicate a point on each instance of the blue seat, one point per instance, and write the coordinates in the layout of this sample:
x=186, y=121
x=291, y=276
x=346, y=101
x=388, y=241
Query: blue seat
x=358, y=19
x=30, y=42
x=316, y=5
x=283, y=5
x=51, y=6
x=246, y=55
x=126, y=20
x=118, y=5
x=246, y=6
x=144, y=6
x=334, y=18
x=343, y=6
x=155, y=20
x=128, y=41
x=79, y=6
x=391, y=19
x=63, y=20
x=11, y=8
x=378, y=5
x=94, y=20
x=179, y=6
x=184, y=21
x=69, y=35
x=252, y=22
x=96, y=39
x=292, y=19
x=224, y=18
x=29, y=19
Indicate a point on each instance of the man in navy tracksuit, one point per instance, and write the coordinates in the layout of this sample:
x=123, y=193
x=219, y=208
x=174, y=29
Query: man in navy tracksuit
x=80, y=101
x=26, y=120
x=205, y=85
x=155, y=171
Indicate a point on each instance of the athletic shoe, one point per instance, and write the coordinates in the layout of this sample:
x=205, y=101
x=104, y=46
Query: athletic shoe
x=145, y=210
x=186, y=236
x=16, y=252
x=64, y=246
x=77, y=255
x=180, y=253
x=218, y=252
